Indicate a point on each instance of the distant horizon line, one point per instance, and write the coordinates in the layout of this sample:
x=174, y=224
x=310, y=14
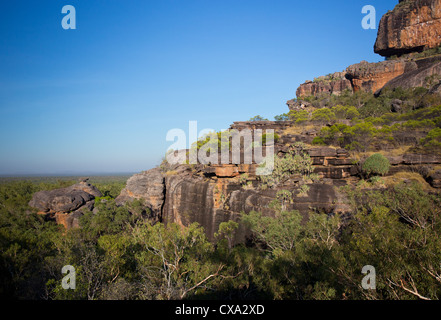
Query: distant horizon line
x=67, y=174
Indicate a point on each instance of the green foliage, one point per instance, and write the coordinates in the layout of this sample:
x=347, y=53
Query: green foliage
x=298, y=116
x=432, y=141
x=227, y=231
x=258, y=118
x=270, y=137
x=345, y=112
x=174, y=261
x=296, y=161
x=304, y=189
x=282, y=117
x=111, y=189
x=323, y=115
x=279, y=233
x=318, y=141
x=376, y=164
x=119, y=254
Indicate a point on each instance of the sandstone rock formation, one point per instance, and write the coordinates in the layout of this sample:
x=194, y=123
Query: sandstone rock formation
x=332, y=84
x=149, y=186
x=65, y=204
x=212, y=194
x=411, y=26
x=372, y=77
x=418, y=74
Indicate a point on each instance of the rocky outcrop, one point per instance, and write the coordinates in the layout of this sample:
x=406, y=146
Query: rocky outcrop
x=212, y=194
x=371, y=77
x=365, y=76
x=147, y=185
x=420, y=73
x=65, y=204
x=414, y=25
x=334, y=83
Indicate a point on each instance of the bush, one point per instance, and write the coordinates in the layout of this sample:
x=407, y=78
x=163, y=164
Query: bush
x=346, y=112
x=432, y=141
x=282, y=117
x=324, y=114
x=376, y=164
x=258, y=118
x=295, y=162
x=270, y=136
x=298, y=116
x=318, y=141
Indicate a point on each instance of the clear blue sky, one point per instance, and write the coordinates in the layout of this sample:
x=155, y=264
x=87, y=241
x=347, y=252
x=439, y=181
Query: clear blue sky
x=101, y=98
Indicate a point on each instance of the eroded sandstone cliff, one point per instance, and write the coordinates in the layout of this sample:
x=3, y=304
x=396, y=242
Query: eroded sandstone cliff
x=414, y=25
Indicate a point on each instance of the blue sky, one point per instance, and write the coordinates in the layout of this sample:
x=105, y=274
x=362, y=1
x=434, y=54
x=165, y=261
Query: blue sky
x=101, y=98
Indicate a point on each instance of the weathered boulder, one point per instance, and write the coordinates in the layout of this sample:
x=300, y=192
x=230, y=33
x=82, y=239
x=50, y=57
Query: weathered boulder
x=65, y=200
x=411, y=26
x=297, y=104
x=396, y=105
x=149, y=186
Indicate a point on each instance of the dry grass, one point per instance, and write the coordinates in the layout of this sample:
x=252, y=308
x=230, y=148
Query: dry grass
x=299, y=129
x=395, y=179
x=387, y=153
x=434, y=169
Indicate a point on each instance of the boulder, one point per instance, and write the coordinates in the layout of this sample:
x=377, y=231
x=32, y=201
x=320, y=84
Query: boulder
x=149, y=186
x=396, y=105
x=65, y=200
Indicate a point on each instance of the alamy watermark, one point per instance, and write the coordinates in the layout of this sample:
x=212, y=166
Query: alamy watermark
x=69, y=21
x=369, y=21
x=369, y=282
x=69, y=281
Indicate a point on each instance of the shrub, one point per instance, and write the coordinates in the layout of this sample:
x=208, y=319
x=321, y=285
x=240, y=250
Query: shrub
x=270, y=136
x=282, y=117
x=258, y=118
x=360, y=135
x=295, y=162
x=318, y=141
x=433, y=140
x=324, y=114
x=298, y=116
x=346, y=112
x=376, y=164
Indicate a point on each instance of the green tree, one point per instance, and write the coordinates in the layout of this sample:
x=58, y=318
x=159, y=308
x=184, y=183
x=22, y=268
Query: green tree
x=258, y=118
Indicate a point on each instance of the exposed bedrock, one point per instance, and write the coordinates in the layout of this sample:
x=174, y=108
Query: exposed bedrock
x=413, y=25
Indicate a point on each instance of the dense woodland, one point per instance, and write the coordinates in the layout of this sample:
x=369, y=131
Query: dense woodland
x=118, y=254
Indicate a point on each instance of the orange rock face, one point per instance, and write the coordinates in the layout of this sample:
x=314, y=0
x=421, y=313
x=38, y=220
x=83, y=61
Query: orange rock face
x=332, y=87
x=227, y=171
x=365, y=76
x=373, y=76
x=411, y=26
